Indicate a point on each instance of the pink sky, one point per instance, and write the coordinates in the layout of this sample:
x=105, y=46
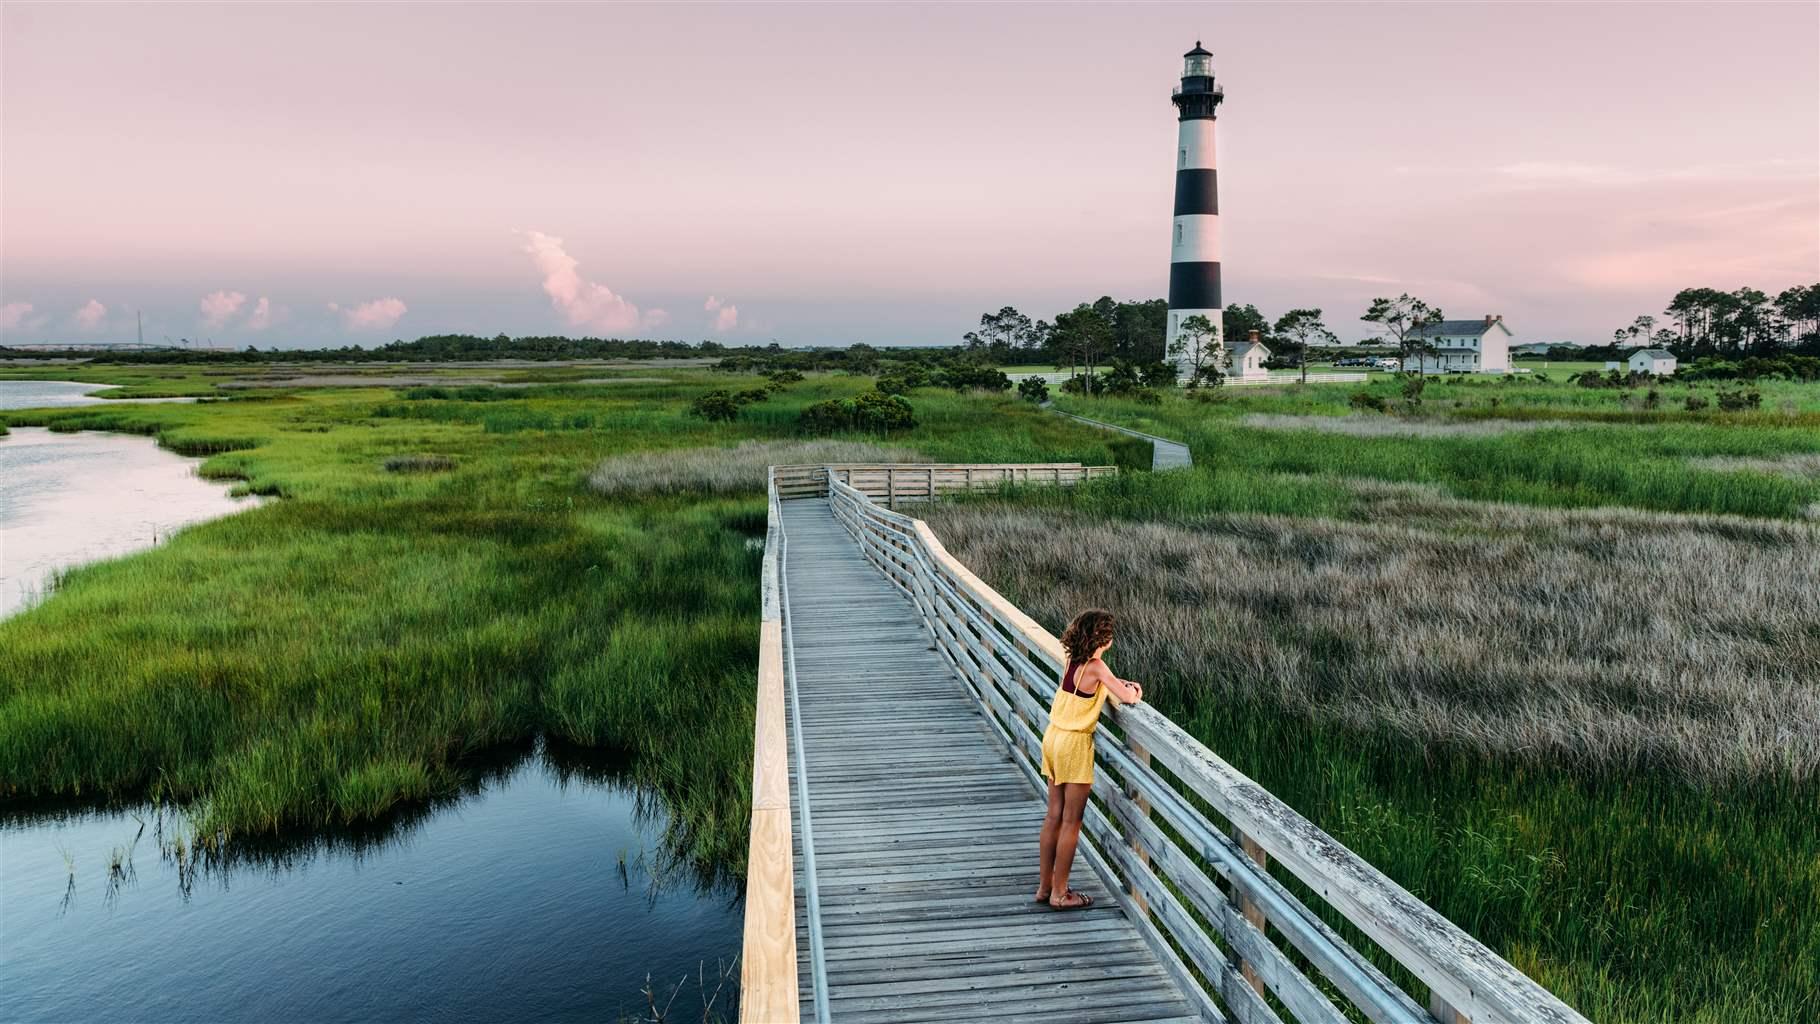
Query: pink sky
x=826, y=174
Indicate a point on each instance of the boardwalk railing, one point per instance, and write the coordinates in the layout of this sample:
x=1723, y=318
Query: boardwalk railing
x=921, y=481
x=767, y=975
x=1193, y=847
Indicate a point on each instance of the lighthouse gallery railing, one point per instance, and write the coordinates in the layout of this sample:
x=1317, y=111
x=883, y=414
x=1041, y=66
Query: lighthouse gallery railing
x=1201, y=891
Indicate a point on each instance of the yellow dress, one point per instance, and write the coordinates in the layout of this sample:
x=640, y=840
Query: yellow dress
x=1068, y=741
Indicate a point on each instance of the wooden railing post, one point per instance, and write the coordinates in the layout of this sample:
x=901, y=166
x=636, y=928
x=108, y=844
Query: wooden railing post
x=931, y=483
x=1443, y=1012
x=1137, y=797
x=1249, y=908
x=890, y=487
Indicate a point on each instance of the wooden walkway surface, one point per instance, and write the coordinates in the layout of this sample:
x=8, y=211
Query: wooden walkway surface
x=925, y=833
x=1164, y=453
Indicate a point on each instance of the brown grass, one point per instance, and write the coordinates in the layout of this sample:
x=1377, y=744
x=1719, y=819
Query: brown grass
x=1797, y=466
x=1613, y=638
x=1393, y=426
x=729, y=470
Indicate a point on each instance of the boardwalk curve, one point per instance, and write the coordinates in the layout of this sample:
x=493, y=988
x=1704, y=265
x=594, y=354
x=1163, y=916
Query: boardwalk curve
x=1164, y=453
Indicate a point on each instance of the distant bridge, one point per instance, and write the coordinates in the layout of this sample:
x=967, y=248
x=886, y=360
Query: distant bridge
x=896, y=803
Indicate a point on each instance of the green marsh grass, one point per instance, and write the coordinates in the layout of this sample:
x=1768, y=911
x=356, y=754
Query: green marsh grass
x=344, y=653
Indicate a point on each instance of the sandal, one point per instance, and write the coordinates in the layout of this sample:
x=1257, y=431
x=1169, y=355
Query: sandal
x=1080, y=901
x=1042, y=897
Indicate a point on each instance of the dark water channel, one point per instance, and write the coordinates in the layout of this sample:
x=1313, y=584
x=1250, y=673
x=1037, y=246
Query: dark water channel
x=543, y=892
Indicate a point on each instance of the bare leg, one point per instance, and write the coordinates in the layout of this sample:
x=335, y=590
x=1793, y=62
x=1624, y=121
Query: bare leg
x=1045, y=857
x=1074, y=806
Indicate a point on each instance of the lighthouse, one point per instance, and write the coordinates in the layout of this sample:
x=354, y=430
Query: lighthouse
x=1194, y=254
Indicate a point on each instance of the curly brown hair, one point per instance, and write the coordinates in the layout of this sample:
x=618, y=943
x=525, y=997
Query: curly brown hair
x=1090, y=631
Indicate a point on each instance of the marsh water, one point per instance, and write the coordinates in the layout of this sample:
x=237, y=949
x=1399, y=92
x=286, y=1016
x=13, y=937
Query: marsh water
x=543, y=892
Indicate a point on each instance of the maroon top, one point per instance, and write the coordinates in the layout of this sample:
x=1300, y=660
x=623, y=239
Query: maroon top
x=1068, y=682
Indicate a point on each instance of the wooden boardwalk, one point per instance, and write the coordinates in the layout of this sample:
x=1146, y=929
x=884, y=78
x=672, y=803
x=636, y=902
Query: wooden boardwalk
x=924, y=830
x=1164, y=453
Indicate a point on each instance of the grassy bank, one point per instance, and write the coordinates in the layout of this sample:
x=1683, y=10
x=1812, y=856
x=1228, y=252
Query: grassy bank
x=438, y=578
x=1565, y=456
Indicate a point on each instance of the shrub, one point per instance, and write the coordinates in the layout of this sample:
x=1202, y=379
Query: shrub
x=783, y=378
x=1695, y=403
x=1738, y=401
x=1158, y=374
x=873, y=411
x=418, y=464
x=1146, y=396
x=968, y=376
x=825, y=417
x=1034, y=389
x=751, y=395
x=1652, y=399
x=1365, y=400
x=718, y=405
x=891, y=385
x=876, y=410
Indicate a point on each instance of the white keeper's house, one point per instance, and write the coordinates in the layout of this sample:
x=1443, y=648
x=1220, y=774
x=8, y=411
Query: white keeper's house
x=1245, y=359
x=1660, y=362
x=1464, y=346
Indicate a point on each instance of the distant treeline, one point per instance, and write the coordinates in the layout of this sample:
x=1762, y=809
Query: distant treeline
x=434, y=349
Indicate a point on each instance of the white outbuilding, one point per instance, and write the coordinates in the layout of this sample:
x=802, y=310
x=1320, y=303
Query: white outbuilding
x=1656, y=361
x=1464, y=346
x=1245, y=359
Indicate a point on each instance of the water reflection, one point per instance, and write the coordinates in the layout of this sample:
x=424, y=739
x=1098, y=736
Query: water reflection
x=70, y=499
x=542, y=888
x=59, y=394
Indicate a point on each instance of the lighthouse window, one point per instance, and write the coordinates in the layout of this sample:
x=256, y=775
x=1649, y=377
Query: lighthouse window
x=1184, y=158
x=1178, y=234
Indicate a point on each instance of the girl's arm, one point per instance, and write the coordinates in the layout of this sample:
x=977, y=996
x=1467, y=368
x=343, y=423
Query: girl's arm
x=1125, y=691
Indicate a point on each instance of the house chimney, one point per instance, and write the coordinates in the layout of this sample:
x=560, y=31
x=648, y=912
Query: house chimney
x=1490, y=319
x=1252, y=337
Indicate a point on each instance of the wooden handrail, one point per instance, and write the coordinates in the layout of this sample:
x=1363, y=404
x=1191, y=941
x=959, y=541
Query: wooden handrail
x=767, y=975
x=920, y=481
x=1206, y=899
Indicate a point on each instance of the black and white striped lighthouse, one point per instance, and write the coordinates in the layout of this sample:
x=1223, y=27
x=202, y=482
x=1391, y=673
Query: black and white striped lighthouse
x=1194, y=258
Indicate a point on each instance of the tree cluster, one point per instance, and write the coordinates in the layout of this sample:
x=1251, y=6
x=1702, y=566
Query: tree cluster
x=1712, y=322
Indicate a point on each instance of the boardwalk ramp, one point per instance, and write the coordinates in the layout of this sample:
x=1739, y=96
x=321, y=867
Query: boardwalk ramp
x=896, y=804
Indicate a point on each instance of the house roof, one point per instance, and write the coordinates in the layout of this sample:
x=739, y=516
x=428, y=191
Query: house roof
x=1446, y=327
x=1654, y=353
x=1452, y=349
x=1239, y=348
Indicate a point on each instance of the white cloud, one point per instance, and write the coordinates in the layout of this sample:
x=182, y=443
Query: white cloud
x=656, y=317
x=262, y=315
x=219, y=307
x=584, y=304
x=90, y=316
x=377, y=315
x=726, y=315
x=13, y=314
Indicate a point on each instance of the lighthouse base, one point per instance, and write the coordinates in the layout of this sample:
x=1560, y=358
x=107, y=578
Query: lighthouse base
x=1214, y=348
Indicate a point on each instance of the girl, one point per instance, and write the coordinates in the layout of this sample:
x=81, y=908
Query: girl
x=1068, y=750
